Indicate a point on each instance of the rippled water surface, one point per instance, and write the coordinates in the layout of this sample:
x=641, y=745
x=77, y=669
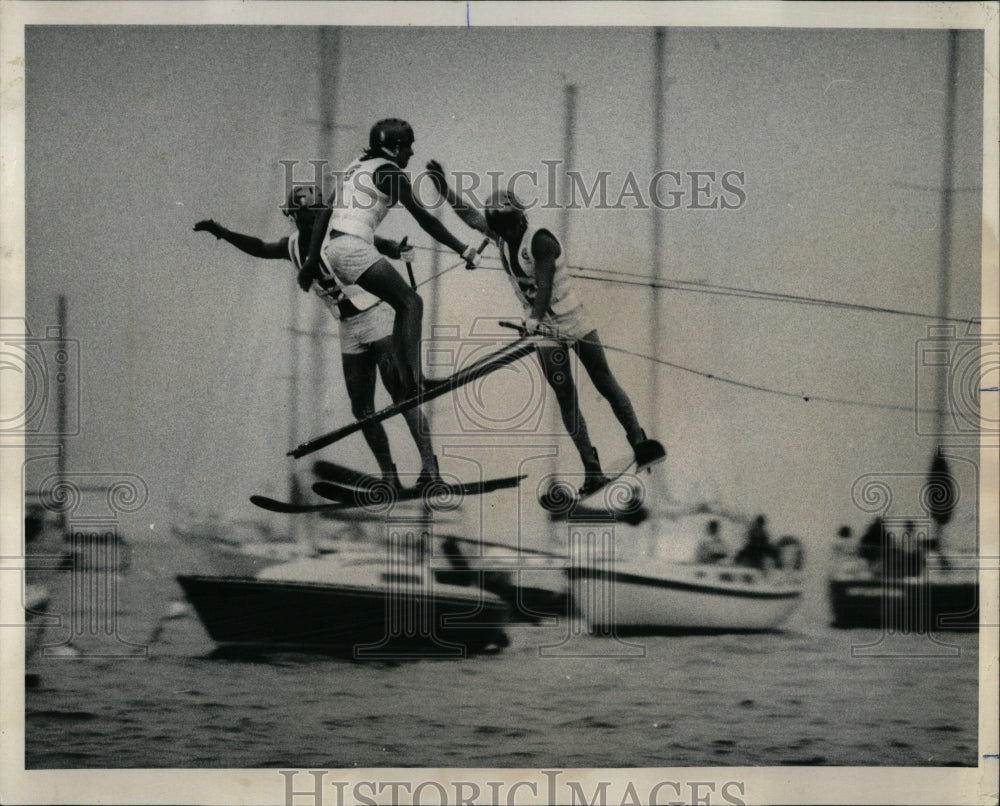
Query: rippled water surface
x=797, y=697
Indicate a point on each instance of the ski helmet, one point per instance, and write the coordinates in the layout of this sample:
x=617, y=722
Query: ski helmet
x=502, y=207
x=503, y=201
x=388, y=135
x=301, y=196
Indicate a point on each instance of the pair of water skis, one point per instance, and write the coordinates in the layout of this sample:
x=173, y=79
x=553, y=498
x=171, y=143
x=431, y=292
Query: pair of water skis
x=346, y=489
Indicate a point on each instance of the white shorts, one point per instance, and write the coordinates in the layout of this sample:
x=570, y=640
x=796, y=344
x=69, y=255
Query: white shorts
x=349, y=256
x=573, y=325
x=359, y=332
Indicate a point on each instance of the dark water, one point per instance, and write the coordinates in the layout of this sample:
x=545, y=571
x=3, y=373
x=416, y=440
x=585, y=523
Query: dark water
x=797, y=697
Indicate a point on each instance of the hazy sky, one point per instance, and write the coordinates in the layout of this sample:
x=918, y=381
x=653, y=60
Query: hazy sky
x=133, y=134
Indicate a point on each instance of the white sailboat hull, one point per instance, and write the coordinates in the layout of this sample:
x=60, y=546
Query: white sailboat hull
x=682, y=597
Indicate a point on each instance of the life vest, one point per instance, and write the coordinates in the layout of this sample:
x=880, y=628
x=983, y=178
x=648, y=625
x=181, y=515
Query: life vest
x=521, y=271
x=360, y=206
x=328, y=288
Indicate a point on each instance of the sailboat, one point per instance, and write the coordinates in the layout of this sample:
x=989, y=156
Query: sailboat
x=941, y=598
x=610, y=591
x=903, y=583
x=895, y=579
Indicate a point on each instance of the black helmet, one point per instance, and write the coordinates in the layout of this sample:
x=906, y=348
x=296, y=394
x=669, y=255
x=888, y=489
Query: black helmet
x=503, y=201
x=388, y=135
x=302, y=196
x=502, y=207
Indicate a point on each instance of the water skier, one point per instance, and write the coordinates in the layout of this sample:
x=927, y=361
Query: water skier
x=365, y=327
x=535, y=263
x=345, y=233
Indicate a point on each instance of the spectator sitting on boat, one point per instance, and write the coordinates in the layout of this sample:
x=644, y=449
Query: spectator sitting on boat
x=758, y=551
x=874, y=545
x=907, y=553
x=844, y=547
x=846, y=559
x=711, y=548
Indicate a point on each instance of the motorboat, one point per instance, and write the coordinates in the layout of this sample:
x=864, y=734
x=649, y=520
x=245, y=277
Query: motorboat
x=368, y=603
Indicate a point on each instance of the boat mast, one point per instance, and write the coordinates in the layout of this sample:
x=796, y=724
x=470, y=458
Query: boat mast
x=329, y=58
x=328, y=51
x=659, y=66
x=433, y=296
x=569, y=148
x=944, y=261
x=658, y=481
x=61, y=406
x=294, y=491
x=569, y=128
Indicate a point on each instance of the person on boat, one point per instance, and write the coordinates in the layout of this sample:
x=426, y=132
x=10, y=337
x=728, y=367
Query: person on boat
x=365, y=327
x=535, y=263
x=910, y=556
x=873, y=547
x=758, y=551
x=345, y=233
x=711, y=548
x=845, y=550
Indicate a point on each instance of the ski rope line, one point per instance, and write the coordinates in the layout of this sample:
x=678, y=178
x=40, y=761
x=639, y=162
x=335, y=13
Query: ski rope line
x=766, y=389
x=732, y=381
x=747, y=293
x=423, y=282
x=440, y=273
x=730, y=291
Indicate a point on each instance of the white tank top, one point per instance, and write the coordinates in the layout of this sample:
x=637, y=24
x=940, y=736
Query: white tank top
x=328, y=288
x=522, y=274
x=360, y=206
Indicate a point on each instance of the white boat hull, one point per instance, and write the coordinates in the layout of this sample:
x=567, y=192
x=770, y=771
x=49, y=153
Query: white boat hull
x=641, y=595
x=682, y=597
